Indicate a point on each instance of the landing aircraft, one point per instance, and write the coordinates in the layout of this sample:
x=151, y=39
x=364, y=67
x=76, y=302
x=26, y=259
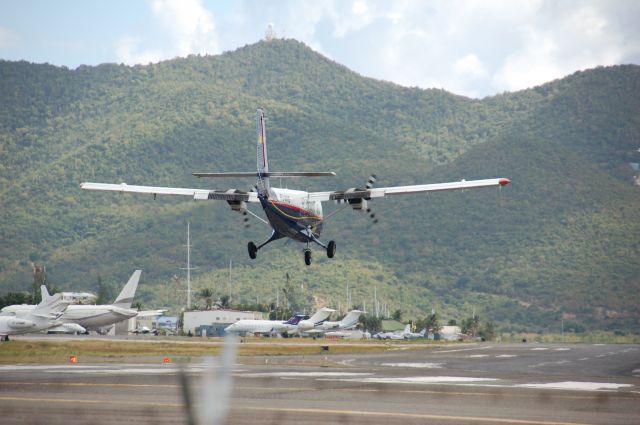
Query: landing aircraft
x=293, y=214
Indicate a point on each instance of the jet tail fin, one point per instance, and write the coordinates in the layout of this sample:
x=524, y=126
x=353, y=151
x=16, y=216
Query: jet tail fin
x=350, y=320
x=44, y=294
x=321, y=315
x=50, y=306
x=261, y=155
x=125, y=298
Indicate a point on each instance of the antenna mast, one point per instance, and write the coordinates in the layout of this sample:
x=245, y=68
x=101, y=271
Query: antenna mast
x=188, y=268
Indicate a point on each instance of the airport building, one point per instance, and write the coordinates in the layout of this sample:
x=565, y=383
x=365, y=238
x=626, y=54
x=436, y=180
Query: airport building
x=212, y=321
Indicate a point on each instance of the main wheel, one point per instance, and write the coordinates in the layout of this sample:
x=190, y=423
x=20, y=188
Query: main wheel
x=331, y=249
x=307, y=257
x=253, y=250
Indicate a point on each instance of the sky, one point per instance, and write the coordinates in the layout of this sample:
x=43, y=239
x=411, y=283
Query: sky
x=474, y=48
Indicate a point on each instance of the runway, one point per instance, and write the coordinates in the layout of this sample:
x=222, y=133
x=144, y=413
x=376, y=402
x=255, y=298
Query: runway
x=458, y=384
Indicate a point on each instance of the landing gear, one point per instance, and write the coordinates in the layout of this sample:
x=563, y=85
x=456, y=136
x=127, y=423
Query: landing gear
x=307, y=257
x=331, y=249
x=253, y=250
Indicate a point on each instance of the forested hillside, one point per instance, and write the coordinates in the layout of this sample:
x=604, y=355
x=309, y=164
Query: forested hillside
x=561, y=241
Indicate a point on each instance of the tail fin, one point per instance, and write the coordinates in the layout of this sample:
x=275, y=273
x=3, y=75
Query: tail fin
x=295, y=319
x=125, y=298
x=44, y=294
x=407, y=328
x=321, y=315
x=350, y=320
x=261, y=154
x=50, y=306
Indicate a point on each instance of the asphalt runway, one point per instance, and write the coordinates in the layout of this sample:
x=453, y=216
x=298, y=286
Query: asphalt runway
x=457, y=384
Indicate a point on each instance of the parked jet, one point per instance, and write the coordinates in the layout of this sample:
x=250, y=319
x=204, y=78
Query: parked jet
x=394, y=335
x=42, y=316
x=349, y=321
x=297, y=324
x=293, y=214
x=415, y=335
x=94, y=317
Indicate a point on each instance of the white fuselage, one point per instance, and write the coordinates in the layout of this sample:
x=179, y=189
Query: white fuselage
x=90, y=317
x=254, y=326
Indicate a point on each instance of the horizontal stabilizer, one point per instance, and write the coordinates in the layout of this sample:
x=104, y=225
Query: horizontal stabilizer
x=271, y=174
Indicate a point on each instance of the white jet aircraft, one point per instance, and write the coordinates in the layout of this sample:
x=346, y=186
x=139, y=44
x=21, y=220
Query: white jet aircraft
x=94, y=317
x=293, y=214
x=41, y=317
x=349, y=321
x=297, y=324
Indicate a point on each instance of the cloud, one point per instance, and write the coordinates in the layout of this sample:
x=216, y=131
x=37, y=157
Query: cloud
x=470, y=47
x=178, y=28
x=8, y=38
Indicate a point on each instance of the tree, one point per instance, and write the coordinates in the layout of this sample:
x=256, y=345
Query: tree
x=471, y=325
x=224, y=301
x=397, y=315
x=370, y=323
x=207, y=295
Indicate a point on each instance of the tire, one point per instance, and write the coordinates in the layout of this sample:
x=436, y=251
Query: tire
x=307, y=257
x=253, y=250
x=331, y=249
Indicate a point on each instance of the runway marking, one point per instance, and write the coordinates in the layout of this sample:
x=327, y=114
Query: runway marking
x=303, y=410
x=505, y=356
x=90, y=401
x=412, y=416
x=416, y=365
x=579, y=386
x=477, y=356
x=463, y=349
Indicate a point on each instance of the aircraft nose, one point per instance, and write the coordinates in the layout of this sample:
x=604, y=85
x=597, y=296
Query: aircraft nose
x=504, y=182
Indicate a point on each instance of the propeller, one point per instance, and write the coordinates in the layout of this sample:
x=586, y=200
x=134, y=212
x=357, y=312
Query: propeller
x=372, y=179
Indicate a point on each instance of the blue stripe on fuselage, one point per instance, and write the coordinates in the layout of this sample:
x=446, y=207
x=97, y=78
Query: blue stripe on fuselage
x=289, y=220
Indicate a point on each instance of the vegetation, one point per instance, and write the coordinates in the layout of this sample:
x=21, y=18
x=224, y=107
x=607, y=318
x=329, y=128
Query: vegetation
x=560, y=242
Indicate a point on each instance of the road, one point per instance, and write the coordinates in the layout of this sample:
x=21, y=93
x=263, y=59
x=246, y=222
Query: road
x=458, y=384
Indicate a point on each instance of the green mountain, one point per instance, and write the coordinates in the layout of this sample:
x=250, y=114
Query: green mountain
x=561, y=241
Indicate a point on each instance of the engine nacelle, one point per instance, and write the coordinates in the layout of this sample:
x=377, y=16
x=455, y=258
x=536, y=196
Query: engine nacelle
x=358, y=204
x=239, y=206
x=21, y=324
x=305, y=325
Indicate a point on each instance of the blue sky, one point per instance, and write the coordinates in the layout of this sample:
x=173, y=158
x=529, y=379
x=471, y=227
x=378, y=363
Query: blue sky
x=469, y=47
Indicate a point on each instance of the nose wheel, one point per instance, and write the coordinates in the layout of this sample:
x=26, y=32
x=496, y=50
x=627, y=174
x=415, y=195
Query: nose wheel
x=331, y=249
x=307, y=257
x=253, y=250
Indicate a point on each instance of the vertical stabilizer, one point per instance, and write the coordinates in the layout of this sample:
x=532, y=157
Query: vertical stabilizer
x=261, y=155
x=49, y=306
x=125, y=298
x=321, y=315
x=44, y=294
x=350, y=320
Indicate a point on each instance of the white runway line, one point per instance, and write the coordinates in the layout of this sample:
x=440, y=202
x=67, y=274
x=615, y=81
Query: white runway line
x=423, y=380
x=477, y=356
x=416, y=365
x=573, y=385
x=505, y=356
x=539, y=349
x=303, y=374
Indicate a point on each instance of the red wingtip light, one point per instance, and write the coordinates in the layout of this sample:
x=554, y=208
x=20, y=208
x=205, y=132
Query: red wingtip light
x=504, y=182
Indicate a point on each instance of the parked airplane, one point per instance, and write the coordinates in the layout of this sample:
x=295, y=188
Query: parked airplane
x=42, y=316
x=415, y=335
x=294, y=214
x=297, y=324
x=94, y=317
x=394, y=335
x=349, y=321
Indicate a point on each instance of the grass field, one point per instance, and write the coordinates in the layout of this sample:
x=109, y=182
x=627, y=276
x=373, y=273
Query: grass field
x=155, y=350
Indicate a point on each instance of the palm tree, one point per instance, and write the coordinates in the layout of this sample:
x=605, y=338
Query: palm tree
x=207, y=295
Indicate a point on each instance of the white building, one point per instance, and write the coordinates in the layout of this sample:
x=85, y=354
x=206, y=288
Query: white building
x=194, y=319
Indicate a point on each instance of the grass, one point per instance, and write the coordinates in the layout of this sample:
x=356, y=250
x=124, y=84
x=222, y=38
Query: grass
x=51, y=352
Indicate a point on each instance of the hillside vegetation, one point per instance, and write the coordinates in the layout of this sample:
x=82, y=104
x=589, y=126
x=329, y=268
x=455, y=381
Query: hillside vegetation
x=561, y=241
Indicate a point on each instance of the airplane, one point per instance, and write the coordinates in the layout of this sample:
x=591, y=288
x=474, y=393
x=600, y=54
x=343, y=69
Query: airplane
x=93, y=317
x=349, y=321
x=293, y=214
x=394, y=335
x=41, y=317
x=415, y=335
x=296, y=324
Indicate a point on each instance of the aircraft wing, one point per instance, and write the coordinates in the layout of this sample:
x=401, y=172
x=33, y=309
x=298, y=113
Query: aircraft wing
x=198, y=194
x=379, y=192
